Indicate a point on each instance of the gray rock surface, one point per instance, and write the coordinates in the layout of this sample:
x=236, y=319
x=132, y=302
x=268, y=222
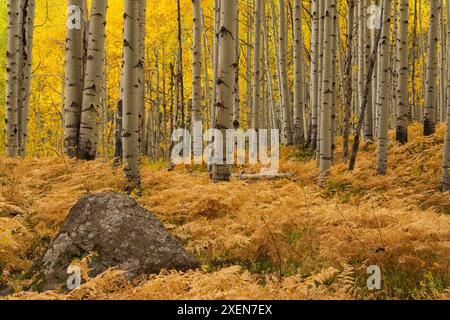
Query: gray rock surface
x=121, y=233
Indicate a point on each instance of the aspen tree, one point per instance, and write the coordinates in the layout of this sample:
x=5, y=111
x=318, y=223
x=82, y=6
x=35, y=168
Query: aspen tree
x=442, y=72
x=196, y=72
x=217, y=4
x=25, y=83
x=74, y=76
x=327, y=90
x=368, y=124
x=285, y=96
x=90, y=112
x=141, y=74
x=256, y=117
x=12, y=79
x=382, y=100
x=445, y=178
x=402, y=90
x=348, y=92
x=221, y=171
x=429, y=121
x=130, y=118
x=299, y=79
x=314, y=75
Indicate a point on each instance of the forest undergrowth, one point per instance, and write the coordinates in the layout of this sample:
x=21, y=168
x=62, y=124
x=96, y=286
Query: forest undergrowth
x=274, y=239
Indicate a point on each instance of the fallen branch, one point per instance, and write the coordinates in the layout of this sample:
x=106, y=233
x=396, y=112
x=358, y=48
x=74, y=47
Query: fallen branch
x=258, y=176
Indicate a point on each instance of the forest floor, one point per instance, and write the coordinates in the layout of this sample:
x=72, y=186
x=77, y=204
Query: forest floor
x=278, y=239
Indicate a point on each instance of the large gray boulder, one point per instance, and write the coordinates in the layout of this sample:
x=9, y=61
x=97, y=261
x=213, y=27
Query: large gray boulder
x=119, y=232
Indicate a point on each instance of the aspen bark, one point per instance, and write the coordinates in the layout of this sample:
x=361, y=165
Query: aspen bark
x=256, y=116
x=403, y=66
x=445, y=178
x=141, y=73
x=299, y=79
x=285, y=96
x=196, y=74
x=225, y=79
x=90, y=112
x=429, y=121
x=382, y=100
x=348, y=92
x=28, y=15
x=130, y=118
x=327, y=90
x=74, y=74
x=12, y=79
x=314, y=67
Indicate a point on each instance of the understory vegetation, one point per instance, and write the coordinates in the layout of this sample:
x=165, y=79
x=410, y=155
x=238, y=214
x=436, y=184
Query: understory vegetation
x=277, y=239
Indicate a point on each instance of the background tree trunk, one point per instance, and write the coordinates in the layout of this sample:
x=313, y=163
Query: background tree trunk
x=285, y=95
x=403, y=66
x=256, y=117
x=299, y=79
x=429, y=121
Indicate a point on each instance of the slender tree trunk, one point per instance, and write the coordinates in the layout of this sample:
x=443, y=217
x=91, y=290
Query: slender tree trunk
x=249, y=65
x=256, y=116
x=403, y=66
x=368, y=125
x=442, y=71
x=363, y=103
x=285, y=96
x=180, y=66
x=141, y=73
x=348, y=77
x=430, y=92
x=74, y=81
x=445, y=179
x=237, y=95
x=299, y=79
x=383, y=91
x=225, y=79
x=217, y=9
x=28, y=15
x=327, y=90
x=130, y=119
x=90, y=112
x=196, y=76
x=314, y=67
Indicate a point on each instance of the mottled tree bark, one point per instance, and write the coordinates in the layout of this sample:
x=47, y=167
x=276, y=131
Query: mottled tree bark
x=225, y=79
x=90, y=112
x=429, y=121
x=130, y=119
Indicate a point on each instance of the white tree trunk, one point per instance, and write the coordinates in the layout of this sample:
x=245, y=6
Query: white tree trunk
x=327, y=90
x=299, y=79
x=445, y=179
x=74, y=74
x=90, y=112
x=256, y=116
x=130, y=118
x=285, y=96
x=403, y=67
x=27, y=58
x=225, y=80
x=383, y=90
x=196, y=72
x=12, y=79
x=314, y=75
x=430, y=91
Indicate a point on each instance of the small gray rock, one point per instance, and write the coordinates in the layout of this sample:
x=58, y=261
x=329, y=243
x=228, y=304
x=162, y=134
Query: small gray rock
x=121, y=233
